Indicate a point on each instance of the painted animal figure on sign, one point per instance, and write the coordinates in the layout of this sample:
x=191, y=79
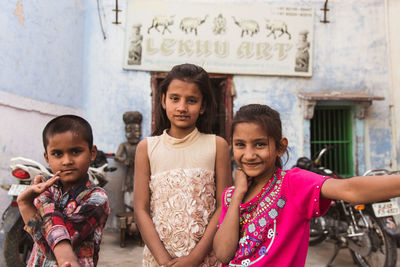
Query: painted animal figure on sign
x=248, y=26
x=161, y=21
x=190, y=24
x=277, y=26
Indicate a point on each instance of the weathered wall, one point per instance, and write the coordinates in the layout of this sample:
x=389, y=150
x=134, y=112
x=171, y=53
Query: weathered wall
x=41, y=63
x=55, y=52
x=22, y=121
x=350, y=54
x=41, y=47
x=393, y=10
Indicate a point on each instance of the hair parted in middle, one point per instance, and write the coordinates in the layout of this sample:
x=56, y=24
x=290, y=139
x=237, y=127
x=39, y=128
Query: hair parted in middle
x=193, y=74
x=268, y=119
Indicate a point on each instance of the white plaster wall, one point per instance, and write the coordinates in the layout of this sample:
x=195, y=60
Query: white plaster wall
x=23, y=120
x=393, y=9
x=58, y=54
x=41, y=63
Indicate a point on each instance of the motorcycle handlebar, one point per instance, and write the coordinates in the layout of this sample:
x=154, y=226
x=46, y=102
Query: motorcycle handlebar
x=376, y=172
x=380, y=172
x=322, y=152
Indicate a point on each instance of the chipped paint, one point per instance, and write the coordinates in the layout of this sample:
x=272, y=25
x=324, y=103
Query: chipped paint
x=71, y=65
x=19, y=13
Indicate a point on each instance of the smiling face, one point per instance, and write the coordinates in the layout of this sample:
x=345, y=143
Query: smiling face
x=254, y=151
x=183, y=103
x=69, y=152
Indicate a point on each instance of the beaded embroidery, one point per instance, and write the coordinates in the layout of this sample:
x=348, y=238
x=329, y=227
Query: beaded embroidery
x=257, y=202
x=258, y=221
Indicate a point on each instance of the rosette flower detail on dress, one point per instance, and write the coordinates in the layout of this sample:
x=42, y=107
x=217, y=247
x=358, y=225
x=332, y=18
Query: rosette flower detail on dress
x=182, y=203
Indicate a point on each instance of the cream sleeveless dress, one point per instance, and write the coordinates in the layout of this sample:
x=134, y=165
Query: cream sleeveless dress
x=182, y=188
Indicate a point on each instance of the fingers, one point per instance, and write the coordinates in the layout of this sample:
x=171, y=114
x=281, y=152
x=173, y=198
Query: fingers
x=240, y=170
x=37, y=179
x=240, y=173
x=43, y=186
x=241, y=180
x=171, y=262
x=53, y=179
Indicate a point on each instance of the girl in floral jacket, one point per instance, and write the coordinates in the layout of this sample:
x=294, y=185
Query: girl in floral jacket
x=180, y=173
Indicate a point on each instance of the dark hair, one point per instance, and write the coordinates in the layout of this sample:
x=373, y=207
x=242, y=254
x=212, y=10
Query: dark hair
x=65, y=123
x=193, y=74
x=267, y=118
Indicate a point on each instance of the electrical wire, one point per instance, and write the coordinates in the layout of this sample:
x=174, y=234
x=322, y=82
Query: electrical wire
x=100, y=19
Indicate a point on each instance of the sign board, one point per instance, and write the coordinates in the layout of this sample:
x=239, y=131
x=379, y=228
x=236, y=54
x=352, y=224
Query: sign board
x=236, y=38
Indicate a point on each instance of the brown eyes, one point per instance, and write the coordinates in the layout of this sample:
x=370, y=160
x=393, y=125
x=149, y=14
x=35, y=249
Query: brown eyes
x=191, y=100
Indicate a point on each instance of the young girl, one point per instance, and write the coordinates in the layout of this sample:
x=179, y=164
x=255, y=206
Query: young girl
x=265, y=216
x=179, y=172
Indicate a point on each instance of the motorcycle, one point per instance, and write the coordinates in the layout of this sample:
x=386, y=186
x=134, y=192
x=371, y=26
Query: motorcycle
x=17, y=242
x=369, y=231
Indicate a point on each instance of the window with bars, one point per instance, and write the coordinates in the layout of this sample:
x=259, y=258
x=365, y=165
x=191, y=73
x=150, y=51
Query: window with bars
x=332, y=127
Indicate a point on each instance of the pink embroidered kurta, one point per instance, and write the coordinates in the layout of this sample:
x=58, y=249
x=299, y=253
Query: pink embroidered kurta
x=182, y=187
x=274, y=225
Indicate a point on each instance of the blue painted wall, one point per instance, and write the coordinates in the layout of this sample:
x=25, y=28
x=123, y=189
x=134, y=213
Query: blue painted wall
x=41, y=44
x=59, y=55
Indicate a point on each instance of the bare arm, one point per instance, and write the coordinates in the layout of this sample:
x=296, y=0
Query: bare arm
x=65, y=254
x=142, y=205
x=362, y=189
x=223, y=180
x=226, y=239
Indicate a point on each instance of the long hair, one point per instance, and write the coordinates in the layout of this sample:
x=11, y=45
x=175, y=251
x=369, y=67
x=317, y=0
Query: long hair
x=193, y=74
x=268, y=119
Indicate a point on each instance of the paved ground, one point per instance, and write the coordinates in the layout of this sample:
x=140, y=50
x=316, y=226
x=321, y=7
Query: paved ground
x=112, y=255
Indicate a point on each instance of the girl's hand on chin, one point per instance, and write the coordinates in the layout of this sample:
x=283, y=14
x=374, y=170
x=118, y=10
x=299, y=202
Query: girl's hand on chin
x=242, y=181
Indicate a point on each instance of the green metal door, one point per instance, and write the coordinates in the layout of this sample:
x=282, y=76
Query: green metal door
x=332, y=126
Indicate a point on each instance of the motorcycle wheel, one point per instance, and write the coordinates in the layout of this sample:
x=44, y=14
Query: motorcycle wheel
x=17, y=245
x=384, y=250
x=317, y=234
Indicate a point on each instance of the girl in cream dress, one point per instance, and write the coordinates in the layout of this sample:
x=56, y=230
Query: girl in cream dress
x=180, y=174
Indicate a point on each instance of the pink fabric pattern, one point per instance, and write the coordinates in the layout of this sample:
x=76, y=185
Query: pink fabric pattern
x=274, y=225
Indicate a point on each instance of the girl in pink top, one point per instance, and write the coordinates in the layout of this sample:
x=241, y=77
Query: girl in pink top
x=265, y=217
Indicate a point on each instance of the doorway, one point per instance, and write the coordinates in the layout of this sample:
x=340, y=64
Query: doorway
x=331, y=127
